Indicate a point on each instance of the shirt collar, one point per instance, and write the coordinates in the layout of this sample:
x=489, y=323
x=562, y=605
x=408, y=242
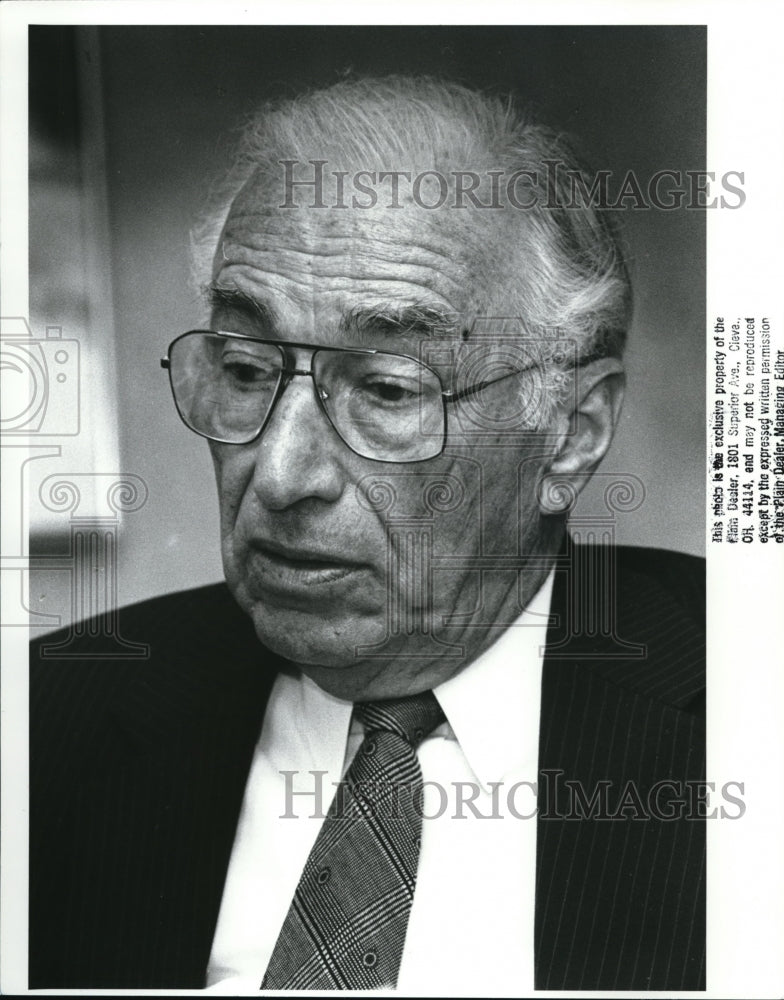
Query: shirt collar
x=327, y=724
x=483, y=703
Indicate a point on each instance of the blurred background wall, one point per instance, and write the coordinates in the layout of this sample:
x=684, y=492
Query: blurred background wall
x=140, y=119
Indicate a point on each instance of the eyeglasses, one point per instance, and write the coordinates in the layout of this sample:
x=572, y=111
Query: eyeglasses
x=384, y=406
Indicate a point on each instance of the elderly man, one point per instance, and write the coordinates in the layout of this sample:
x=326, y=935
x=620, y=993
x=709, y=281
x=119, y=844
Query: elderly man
x=411, y=368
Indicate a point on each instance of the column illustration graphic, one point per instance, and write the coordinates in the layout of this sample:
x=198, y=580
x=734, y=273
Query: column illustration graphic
x=409, y=610
x=93, y=564
x=591, y=579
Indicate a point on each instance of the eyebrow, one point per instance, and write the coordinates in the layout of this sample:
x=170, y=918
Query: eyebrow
x=361, y=322
x=419, y=320
x=231, y=298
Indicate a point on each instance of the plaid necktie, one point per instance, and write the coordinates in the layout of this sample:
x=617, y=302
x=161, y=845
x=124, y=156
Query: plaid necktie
x=346, y=926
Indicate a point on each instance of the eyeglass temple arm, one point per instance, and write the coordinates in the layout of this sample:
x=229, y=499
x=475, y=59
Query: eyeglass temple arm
x=452, y=396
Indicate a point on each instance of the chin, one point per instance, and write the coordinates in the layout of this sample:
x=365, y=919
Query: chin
x=307, y=639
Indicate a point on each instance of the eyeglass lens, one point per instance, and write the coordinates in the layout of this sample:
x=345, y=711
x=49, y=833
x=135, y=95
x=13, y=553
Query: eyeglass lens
x=383, y=406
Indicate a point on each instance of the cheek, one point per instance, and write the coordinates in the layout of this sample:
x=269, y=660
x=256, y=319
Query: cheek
x=233, y=475
x=489, y=503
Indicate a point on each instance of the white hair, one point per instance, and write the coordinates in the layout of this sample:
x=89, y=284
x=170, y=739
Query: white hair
x=566, y=276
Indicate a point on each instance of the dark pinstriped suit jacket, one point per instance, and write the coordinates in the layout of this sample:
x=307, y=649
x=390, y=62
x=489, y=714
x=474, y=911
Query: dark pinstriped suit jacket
x=138, y=771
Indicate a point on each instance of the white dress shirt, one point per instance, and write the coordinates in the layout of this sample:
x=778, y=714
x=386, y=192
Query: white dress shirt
x=471, y=926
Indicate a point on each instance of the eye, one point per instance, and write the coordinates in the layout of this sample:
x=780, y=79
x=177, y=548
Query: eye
x=392, y=392
x=242, y=372
x=245, y=371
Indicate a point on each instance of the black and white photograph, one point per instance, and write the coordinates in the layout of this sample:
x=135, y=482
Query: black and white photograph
x=372, y=397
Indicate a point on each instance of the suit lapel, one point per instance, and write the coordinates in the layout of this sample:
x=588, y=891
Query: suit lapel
x=162, y=807
x=619, y=901
x=148, y=825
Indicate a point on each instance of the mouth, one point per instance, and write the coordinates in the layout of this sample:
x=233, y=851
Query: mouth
x=276, y=567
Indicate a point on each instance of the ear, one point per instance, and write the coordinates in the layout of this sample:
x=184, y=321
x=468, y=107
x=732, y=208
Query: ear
x=586, y=422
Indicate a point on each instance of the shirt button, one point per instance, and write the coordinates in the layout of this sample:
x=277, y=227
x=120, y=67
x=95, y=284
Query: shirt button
x=370, y=748
x=324, y=876
x=369, y=959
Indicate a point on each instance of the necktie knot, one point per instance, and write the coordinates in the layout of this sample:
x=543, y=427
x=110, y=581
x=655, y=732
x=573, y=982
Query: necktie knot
x=412, y=718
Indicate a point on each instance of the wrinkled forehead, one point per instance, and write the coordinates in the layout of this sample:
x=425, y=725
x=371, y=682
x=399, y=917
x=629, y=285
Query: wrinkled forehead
x=463, y=256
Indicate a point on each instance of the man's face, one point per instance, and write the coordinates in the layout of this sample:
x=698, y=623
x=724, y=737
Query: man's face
x=331, y=553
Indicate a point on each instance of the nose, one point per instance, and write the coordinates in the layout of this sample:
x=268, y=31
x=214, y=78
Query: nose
x=298, y=454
